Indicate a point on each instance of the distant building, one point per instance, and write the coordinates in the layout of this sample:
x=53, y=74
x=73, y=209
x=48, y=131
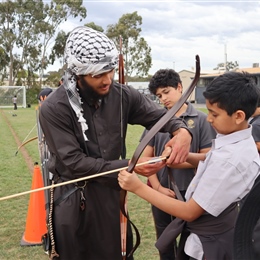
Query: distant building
x=186, y=79
x=205, y=79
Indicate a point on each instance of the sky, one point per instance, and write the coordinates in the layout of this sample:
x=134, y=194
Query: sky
x=177, y=31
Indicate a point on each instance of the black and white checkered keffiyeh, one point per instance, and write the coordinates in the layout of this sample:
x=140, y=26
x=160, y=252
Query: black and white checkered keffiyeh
x=86, y=52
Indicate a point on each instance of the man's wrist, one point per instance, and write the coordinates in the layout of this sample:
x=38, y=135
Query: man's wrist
x=183, y=127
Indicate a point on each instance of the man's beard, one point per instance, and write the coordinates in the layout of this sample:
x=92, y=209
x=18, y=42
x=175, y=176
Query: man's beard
x=89, y=93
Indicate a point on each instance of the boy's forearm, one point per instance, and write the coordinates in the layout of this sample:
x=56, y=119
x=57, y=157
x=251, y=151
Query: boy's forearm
x=185, y=165
x=195, y=158
x=154, y=197
x=161, y=201
x=154, y=181
x=188, y=211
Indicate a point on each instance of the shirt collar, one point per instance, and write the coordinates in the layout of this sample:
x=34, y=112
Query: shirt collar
x=190, y=111
x=222, y=140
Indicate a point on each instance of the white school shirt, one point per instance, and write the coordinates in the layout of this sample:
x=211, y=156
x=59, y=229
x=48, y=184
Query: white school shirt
x=226, y=176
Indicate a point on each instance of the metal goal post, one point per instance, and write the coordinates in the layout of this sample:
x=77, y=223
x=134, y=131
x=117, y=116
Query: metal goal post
x=8, y=92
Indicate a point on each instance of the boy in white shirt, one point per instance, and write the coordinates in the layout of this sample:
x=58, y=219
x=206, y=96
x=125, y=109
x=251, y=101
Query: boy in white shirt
x=222, y=179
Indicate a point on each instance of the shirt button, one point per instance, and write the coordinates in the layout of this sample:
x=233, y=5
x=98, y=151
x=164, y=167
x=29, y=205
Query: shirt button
x=100, y=133
x=104, y=151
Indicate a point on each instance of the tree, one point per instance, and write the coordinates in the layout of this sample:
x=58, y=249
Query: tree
x=53, y=78
x=58, y=48
x=26, y=30
x=137, y=53
x=229, y=65
x=17, y=35
x=95, y=27
x=3, y=64
x=55, y=13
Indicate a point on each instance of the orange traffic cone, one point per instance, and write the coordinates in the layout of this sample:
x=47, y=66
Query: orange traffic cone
x=36, y=215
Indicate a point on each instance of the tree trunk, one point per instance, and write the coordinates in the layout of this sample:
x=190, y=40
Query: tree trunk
x=11, y=68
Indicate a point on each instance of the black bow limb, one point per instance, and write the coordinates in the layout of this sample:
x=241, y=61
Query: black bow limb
x=151, y=133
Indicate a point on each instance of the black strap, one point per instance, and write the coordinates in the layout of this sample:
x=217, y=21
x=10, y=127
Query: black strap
x=62, y=197
x=174, y=186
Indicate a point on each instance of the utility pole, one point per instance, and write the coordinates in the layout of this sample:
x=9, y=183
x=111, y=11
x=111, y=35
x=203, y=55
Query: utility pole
x=225, y=56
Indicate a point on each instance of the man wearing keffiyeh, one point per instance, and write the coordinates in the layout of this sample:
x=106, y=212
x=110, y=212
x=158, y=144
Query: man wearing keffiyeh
x=85, y=123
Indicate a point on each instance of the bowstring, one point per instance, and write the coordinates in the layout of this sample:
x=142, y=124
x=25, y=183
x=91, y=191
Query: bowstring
x=28, y=134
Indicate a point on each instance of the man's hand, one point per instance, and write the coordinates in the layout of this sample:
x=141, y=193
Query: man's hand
x=180, y=147
x=149, y=168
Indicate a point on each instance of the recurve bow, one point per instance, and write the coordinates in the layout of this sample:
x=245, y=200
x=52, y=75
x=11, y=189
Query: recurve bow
x=123, y=218
x=156, y=129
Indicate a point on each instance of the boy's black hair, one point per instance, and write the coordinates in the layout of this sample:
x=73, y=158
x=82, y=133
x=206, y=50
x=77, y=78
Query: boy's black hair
x=233, y=91
x=258, y=103
x=164, y=78
x=44, y=93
